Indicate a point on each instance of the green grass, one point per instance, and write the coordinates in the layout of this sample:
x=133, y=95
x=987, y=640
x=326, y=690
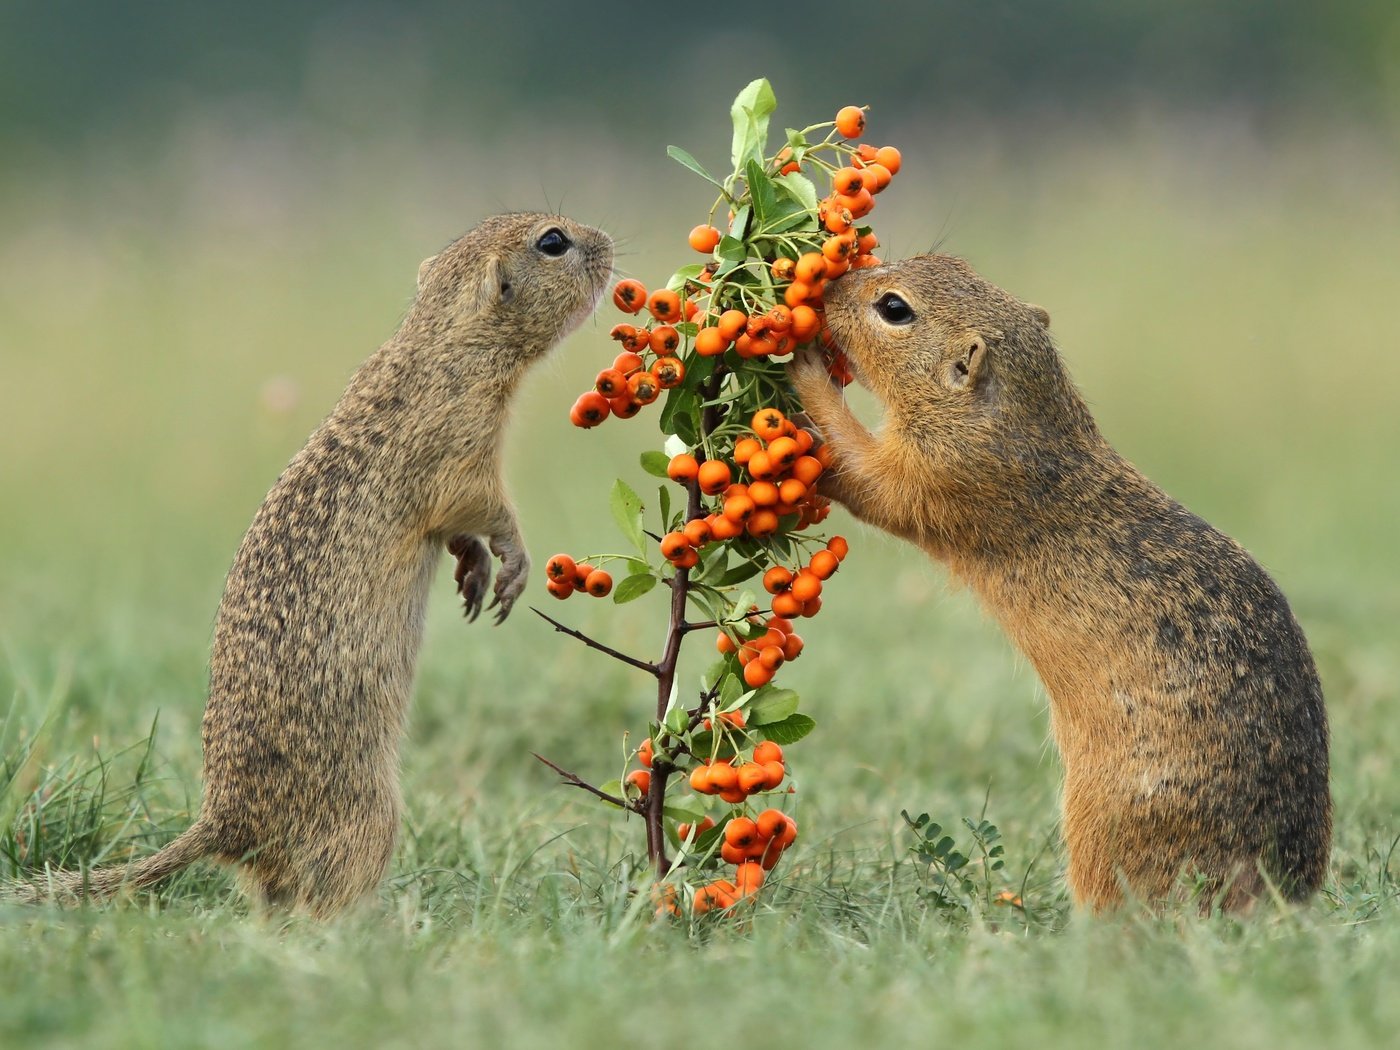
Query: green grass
x=1228, y=311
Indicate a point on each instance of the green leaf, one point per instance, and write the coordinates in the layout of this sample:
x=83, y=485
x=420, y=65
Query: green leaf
x=627, y=512
x=612, y=787
x=739, y=226
x=676, y=720
x=633, y=587
x=685, y=159
x=663, y=495
x=729, y=693
x=738, y=574
x=655, y=463
x=714, y=568
x=712, y=674
x=771, y=705
x=790, y=730
x=750, y=113
x=684, y=815
x=799, y=188
x=741, y=606
x=761, y=192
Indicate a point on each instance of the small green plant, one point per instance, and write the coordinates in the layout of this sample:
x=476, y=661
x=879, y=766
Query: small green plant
x=964, y=882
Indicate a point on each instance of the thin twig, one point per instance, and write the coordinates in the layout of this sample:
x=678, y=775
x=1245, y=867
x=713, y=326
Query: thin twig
x=632, y=661
x=577, y=781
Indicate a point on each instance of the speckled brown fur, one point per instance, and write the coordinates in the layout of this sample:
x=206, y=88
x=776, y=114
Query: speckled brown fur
x=318, y=633
x=1183, y=696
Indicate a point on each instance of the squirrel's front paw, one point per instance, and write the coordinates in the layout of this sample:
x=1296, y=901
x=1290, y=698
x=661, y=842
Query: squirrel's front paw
x=473, y=573
x=511, y=580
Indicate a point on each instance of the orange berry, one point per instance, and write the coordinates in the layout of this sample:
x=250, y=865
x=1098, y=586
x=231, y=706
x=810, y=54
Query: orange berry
x=629, y=295
x=590, y=409
x=665, y=305
x=847, y=181
x=799, y=294
x=788, y=835
x=664, y=340
x=767, y=751
x=748, y=877
x=752, y=777
x=682, y=468
x=850, y=121
x=811, y=268
x=811, y=607
x=732, y=718
x=780, y=624
x=776, y=580
x=880, y=176
x=763, y=493
x=673, y=544
x=712, y=897
x=805, y=585
x=756, y=675
x=822, y=455
x=627, y=363
x=644, y=387
x=710, y=342
x=724, y=644
x=744, y=448
x=622, y=332
x=792, y=491
x=805, y=322
x=890, y=158
x=838, y=249
x=867, y=243
x=639, y=779
x=732, y=854
x=837, y=218
x=783, y=269
x=669, y=372
x=786, y=605
x=560, y=588
x=700, y=780
x=823, y=564
x=859, y=205
x=610, y=383
x=581, y=571
x=697, y=531
x=645, y=752
x=723, y=776
x=714, y=477
x=721, y=528
x=689, y=558
x=792, y=647
x=731, y=323
x=838, y=546
x=773, y=773
x=741, y=831
x=738, y=507
x=598, y=584
x=561, y=567
x=772, y=657
x=782, y=452
x=761, y=467
x=704, y=238
x=734, y=796
x=764, y=523
x=780, y=319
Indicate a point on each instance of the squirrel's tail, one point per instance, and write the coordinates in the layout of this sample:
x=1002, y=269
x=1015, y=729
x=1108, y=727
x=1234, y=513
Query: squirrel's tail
x=69, y=887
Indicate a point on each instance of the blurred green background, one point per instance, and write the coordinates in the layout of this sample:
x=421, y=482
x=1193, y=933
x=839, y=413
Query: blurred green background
x=210, y=214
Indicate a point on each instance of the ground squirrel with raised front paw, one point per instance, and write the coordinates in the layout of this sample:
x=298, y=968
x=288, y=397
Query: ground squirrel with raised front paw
x=1183, y=696
x=318, y=632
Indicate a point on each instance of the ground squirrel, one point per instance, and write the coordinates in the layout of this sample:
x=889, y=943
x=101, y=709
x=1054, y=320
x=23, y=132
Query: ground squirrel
x=1183, y=696
x=318, y=632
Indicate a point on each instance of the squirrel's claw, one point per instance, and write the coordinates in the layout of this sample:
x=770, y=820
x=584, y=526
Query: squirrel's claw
x=473, y=573
x=511, y=580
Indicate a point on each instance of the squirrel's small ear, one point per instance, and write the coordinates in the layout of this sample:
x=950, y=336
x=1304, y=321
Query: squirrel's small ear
x=1041, y=315
x=423, y=268
x=970, y=352
x=495, y=286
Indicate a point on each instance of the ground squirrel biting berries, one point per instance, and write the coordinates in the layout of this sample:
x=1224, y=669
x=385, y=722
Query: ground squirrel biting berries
x=318, y=632
x=1183, y=697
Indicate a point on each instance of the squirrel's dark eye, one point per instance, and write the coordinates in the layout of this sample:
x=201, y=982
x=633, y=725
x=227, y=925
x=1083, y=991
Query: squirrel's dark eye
x=554, y=242
x=893, y=310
